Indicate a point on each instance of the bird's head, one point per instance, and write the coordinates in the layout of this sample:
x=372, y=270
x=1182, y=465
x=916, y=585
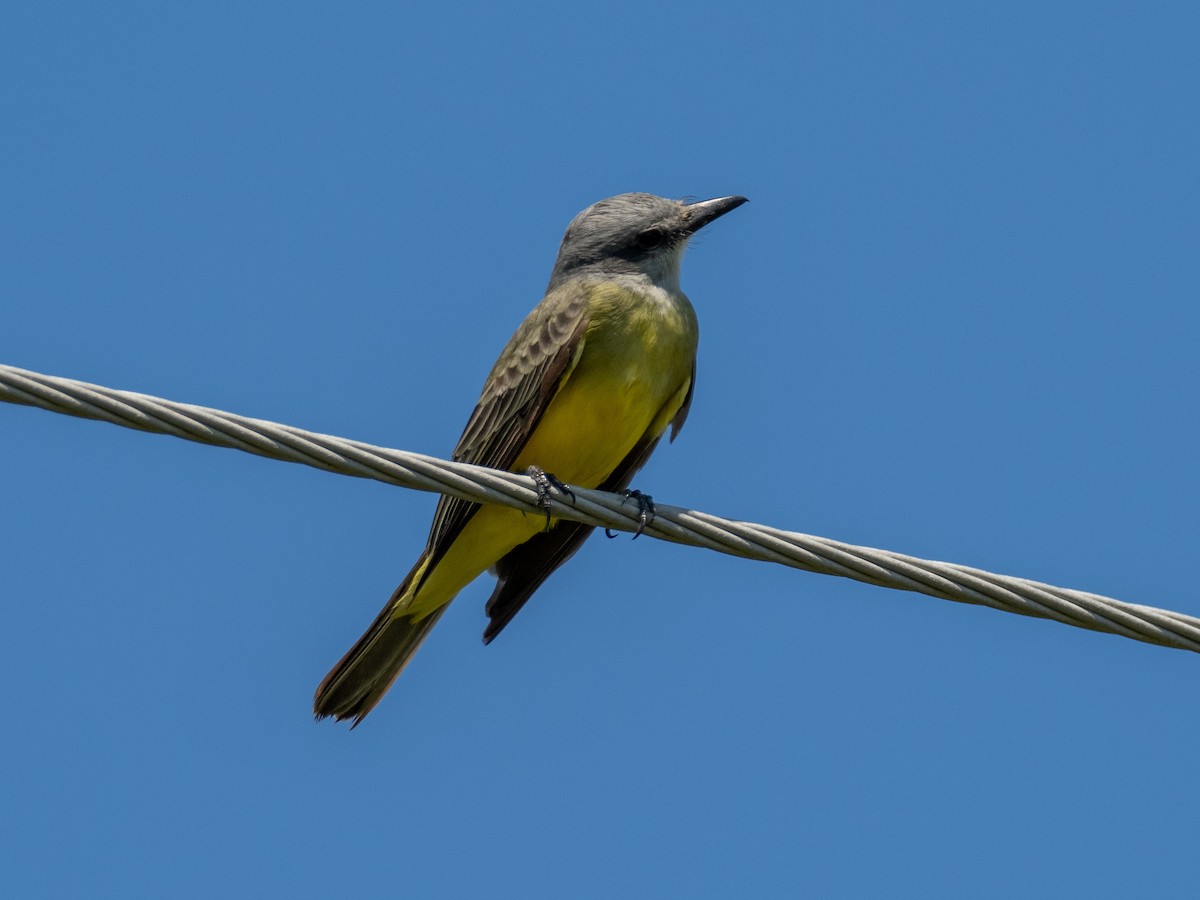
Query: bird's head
x=634, y=235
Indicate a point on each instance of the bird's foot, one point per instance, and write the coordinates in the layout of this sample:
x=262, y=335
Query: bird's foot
x=545, y=483
x=645, y=511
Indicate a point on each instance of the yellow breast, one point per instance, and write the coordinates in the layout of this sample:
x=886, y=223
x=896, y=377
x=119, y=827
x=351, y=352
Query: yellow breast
x=629, y=380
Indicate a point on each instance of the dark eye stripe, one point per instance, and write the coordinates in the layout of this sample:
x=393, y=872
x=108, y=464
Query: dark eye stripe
x=650, y=238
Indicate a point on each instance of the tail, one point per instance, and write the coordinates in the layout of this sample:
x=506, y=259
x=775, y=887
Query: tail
x=364, y=674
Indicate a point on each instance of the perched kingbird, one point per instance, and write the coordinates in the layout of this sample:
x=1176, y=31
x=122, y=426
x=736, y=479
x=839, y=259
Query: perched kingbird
x=584, y=390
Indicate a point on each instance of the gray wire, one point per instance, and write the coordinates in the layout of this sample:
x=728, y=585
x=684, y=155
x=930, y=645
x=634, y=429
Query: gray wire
x=801, y=551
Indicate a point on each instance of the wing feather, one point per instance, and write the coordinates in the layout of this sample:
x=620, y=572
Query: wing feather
x=529, y=372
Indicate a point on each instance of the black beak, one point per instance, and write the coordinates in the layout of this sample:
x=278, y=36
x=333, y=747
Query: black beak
x=705, y=211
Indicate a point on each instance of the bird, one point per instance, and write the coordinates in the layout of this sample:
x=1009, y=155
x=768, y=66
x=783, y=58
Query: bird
x=582, y=393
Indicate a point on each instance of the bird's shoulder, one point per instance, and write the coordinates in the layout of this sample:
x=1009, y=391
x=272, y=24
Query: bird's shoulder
x=550, y=326
x=521, y=381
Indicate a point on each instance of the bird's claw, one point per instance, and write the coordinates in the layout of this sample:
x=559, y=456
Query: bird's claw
x=545, y=483
x=645, y=511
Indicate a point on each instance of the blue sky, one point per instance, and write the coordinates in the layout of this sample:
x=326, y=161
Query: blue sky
x=958, y=319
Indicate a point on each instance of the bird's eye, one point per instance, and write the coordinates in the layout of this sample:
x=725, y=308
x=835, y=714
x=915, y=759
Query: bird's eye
x=650, y=238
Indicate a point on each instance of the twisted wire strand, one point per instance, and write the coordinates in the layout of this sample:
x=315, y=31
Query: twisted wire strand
x=948, y=581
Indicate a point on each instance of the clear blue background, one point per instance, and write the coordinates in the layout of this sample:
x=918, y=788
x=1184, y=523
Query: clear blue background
x=958, y=319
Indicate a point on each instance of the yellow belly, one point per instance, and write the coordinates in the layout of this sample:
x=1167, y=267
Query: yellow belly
x=594, y=422
x=629, y=381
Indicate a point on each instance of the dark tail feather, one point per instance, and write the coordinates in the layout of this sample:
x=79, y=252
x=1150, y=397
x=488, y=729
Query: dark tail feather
x=364, y=674
x=523, y=570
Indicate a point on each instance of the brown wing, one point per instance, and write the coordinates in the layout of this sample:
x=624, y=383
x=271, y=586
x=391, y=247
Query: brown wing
x=517, y=391
x=522, y=570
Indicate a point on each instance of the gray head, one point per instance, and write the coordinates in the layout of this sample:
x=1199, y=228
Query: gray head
x=638, y=235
